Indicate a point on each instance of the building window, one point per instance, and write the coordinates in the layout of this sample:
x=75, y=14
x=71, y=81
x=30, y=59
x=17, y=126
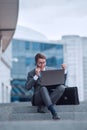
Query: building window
x=27, y=45
x=29, y=61
x=36, y=46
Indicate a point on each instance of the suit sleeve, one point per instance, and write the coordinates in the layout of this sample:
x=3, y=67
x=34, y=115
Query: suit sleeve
x=30, y=81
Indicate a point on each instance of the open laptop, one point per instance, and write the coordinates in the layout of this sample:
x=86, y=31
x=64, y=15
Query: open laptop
x=52, y=77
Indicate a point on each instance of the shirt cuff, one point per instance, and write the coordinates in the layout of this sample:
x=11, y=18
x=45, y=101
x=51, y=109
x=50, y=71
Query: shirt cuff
x=35, y=77
x=65, y=71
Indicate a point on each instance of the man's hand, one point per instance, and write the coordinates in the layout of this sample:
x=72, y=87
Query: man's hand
x=37, y=70
x=63, y=66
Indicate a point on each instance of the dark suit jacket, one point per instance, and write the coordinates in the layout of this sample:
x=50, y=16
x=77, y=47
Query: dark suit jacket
x=31, y=82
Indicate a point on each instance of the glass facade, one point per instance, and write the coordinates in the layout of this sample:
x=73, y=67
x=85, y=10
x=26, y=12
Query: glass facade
x=24, y=51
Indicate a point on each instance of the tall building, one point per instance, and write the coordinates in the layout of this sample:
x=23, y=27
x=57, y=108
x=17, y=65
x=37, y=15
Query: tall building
x=84, y=47
x=73, y=57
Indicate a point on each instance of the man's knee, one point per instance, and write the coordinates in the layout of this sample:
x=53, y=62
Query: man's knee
x=61, y=88
x=43, y=88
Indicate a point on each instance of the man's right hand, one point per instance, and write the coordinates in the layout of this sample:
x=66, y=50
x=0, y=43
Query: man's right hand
x=37, y=70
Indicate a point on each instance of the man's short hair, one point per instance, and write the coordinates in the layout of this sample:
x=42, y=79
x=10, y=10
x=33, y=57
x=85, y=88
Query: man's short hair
x=39, y=55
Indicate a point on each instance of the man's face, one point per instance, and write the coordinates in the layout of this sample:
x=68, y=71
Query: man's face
x=41, y=63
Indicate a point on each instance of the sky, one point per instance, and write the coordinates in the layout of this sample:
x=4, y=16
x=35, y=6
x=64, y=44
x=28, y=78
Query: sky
x=54, y=18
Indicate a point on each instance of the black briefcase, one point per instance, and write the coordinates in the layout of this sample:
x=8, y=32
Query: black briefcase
x=69, y=97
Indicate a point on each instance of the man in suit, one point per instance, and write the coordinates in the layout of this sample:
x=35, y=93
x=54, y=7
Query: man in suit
x=42, y=96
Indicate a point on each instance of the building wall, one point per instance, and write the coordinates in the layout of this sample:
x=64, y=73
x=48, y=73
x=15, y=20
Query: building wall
x=84, y=45
x=73, y=57
x=5, y=76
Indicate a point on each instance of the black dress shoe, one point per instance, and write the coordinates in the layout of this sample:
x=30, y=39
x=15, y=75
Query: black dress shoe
x=56, y=117
x=40, y=109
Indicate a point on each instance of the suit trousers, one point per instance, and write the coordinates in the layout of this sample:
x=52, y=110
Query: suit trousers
x=44, y=97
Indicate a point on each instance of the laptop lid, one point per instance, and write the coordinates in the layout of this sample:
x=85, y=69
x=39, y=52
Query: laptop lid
x=52, y=77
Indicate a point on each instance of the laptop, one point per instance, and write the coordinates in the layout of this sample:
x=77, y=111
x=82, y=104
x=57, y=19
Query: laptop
x=52, y=77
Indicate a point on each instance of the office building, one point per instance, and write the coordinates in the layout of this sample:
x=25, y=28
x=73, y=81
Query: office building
x=84, y=48
x=73, y=57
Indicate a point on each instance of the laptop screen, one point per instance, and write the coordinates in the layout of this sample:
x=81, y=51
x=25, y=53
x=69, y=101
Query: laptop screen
x=52, y=77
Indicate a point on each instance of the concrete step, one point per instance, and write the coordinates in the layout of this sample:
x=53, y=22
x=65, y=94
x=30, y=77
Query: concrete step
x=44, y=125
x=16, y=104
x=47, y=116
x=33, y=109
x=27, y=108
x=24, y=111
x=24, y=116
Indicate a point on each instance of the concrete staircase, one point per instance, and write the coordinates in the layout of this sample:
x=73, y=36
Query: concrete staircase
x=24, y=116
